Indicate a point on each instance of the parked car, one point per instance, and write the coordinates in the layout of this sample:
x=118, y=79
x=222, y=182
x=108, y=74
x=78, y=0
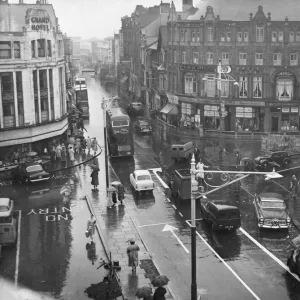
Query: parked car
x=220, y=214
x=183, y=151
x=270, y=160
x=135, y=109
x=271, y=211
x=143, y=126
x=8, y=223
x=30, y=172
x=141, y=181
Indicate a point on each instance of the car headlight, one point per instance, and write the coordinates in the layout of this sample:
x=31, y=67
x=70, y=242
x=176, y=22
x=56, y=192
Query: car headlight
x=288, y=220
x=261, y=220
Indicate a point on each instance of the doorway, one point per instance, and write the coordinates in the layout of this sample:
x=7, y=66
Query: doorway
x=275, y=124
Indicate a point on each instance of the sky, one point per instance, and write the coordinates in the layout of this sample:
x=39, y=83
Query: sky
x=95, y=18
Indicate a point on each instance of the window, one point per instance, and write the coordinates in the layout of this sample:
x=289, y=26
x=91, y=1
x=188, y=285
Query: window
x=41, y=48
x=19, y=82
x=17, y=52
x=243, y=88
x=198, y=36
x=243, y=59
x=7, y=84
x=195, y=57
x=259, y=34
x=259, y=59
x=209, y=58
x=49, y=48
x=175, y=57
x=280, y=36
x=224, y=88
x=5, y=50
x=277, y=58
x=239, y=36
x=246, y=36
x=210, y=34
x=43, y=79
x=185, y=35
x=284, y=89
x=294, y=59
x=257, y=87
x=190, y=84
x=193, y=36
x=186, y=109
x=175, y=84
x=292, y=36
x=228, y=36
x=8, y=109
x=210, y=85
x=33, y=54
x=162, y=82
x=183, y=57
x=222, y=37
x=182, y=35
x=274, y=36
x=225, y=58
x=246, y=119
x=298, y=36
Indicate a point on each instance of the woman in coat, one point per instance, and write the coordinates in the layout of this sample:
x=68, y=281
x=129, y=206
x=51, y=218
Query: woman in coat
x=95, y=180
x=71, y=154
x=159, y=293
x=200, y=175
x=133, y=255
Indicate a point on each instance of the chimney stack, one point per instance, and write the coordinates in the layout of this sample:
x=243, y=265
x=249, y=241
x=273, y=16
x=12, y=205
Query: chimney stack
x=187, y=4
x=21, y=2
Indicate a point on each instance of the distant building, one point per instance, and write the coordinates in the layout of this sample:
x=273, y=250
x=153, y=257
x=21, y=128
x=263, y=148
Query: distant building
x=32, y=77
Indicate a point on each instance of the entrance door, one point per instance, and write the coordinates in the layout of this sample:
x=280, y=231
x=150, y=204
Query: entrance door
x=275, y=123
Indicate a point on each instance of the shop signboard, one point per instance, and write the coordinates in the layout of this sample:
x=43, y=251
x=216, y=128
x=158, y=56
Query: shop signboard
x=239, y=109
x=247, y=115
x=239, y=115
x=248, y=109
x=197, y=68
x=280, y=104
x=172, y=99
x=209, y=113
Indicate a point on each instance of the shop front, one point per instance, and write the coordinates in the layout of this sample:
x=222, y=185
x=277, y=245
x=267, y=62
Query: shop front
x=211, y=117
x=247, y=119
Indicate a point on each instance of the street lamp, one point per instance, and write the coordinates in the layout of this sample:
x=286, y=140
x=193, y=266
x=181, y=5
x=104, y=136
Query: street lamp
x=194, y=194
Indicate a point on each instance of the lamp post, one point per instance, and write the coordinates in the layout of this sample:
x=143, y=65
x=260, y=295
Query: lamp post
x=194, y=194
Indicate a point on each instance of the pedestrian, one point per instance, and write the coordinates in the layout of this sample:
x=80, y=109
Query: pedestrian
x=63, y=156
x=91, y=252
x=95, y=146
x=109, y=200
x=294, y=186
x=133, y=255
x=159, y=293
x=237, y=160
x=83, y=144
x=58, y=154
x=200, y=175
x=91, y=225
x=95, y=179
x=53, y=157
x=71, y=154
x=78, y=145
x=89, y=144
x=121, y=193
x=114, y=198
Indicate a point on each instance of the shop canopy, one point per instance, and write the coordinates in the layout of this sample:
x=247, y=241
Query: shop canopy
x=123, y=79
x=170, y=109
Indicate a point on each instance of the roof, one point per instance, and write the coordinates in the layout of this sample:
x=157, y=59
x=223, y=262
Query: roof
x=12, y=16
x=222, y=205
x=4, y=201
x=271, y=196
x=239, y=10
x=142, y=172
x=163, y=36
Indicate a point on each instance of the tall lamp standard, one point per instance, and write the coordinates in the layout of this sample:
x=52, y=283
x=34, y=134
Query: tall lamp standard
x=194, y=194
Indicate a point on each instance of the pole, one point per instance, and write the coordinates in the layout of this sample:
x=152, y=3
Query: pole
x=105, y=142
x=194, y=188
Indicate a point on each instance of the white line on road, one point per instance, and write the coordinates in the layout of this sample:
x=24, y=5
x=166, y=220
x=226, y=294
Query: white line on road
x=181, y=214
x=168, y=200
x=18, y=250
x=172, y=228
x=174, y=206
x=247, y=192
x=227, y=266
x=268, y=252
x=155, y=224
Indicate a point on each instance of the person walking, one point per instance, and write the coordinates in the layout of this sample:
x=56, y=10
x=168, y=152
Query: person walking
x=95, y=179
x=63, y=156
x=294, y=186
x=200, y=175
x=95, y=146
x=89, y=144
x=91, y=225
x=133, y=255
x=109, y=200
x=58, y=155
x=78, y=145
x=114, y=198
x=53, y=157
x=71, y=154
x=159, y=293
x=237, y=160
x=121, y=192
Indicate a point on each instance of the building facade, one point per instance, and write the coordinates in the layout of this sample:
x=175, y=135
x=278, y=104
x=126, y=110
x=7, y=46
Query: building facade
x=258, y=45
x=32, y=76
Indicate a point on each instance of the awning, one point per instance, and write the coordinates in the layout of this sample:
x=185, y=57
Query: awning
x=170, y=109
x=123, y=79
x=154, y=46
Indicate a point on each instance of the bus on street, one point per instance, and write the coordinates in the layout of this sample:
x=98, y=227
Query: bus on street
x=82, y=96
x=119, y=132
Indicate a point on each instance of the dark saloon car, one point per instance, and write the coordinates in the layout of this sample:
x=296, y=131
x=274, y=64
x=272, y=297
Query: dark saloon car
x=30, y=173
x=271, y=211
x=135, y=109
x=143, y=126
x=220, y=215
x=277, y=160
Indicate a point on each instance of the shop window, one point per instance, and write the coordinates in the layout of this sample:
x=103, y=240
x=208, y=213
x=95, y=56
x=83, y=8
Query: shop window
x=5, y=50
x=190, y=84
x=259, y=59
x=284, y=89
x=209, y=58
x=41, y=48
x=257, y=87
x=298, y=36
x=225, y=58
x=211, y=117
x=243, y=87
x=8, y=109
x=195, y=57
x=277, y=58
x=17, y=51
x=175, y=57
x=290, y=119
x=274, y=36
x=193, y=36
x=187, y=110
x=223, y=37
x=33, y=54
x=246, y=36
x=294, y=59
x=210, y=34
x=246, y=119
x=243, y=59
x=43, y=79
x=239, y=36
x=49, y=48
x=7, y=85
x=224, y=88
x=259, y=33
x=183, y=57
x=210, y=86
x=280, y=36
x=292, y=36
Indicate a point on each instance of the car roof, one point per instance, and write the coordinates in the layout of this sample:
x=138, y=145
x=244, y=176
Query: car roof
x=223, y=205
x=4, y=201
x=142, y=172
x=271, y=197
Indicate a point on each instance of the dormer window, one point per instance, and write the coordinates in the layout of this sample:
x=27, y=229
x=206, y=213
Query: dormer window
x=259, y=33
x=210, y=34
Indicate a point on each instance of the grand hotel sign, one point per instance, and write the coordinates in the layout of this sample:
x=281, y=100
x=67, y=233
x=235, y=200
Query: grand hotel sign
x=37, y=20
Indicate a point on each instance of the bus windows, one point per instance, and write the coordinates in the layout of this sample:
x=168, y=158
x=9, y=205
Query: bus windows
x=120, y=123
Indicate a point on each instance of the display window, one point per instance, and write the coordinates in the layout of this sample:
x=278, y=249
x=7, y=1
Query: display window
x=290, y=119
x=188, y=114
x=247, y=119
x=211, y=117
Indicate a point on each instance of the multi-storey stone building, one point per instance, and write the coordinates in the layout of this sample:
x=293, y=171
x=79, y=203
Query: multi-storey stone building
x=260, y=44
x=32, y=76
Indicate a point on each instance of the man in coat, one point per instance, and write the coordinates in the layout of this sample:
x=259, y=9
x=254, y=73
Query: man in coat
x=133, y=255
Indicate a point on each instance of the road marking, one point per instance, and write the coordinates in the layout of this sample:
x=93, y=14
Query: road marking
x=268, y=252
x=181, y=214
x=172, y=228
x=158, y=177
x=18, y=250
x=227, y=266
x=174, y=206
x=155, y=224
x=168, y=200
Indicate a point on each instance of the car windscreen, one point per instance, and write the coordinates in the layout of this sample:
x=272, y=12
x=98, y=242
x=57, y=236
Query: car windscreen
x=120, y=123
x=272, y=204
x=144, y=123
x=35, y=168
x=143, y=177
x=4, y=208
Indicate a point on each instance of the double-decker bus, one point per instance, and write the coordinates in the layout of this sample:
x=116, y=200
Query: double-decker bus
x=82, y=96
x=119, y=132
